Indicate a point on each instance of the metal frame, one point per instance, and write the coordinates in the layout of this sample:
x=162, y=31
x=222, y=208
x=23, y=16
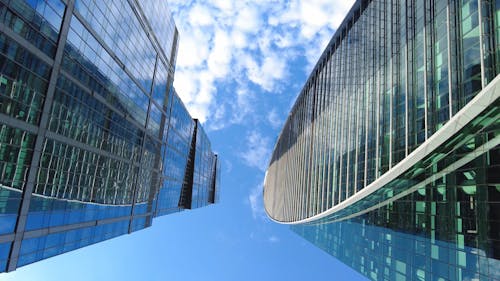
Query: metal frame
x=42, y=133
x=485, y=98
x=42, y=130
x=26, y=44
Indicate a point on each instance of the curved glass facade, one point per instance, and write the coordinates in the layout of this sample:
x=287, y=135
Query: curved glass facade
x=393, y=75
x=94, y=140
x=389, y=159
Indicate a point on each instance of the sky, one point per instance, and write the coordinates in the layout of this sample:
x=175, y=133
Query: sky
x=240, y=67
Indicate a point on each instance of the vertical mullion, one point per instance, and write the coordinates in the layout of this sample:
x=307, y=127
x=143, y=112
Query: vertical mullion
x=317, y=139
x=425, y=70
x=324, y=132
x=336, y=111
x=341, y=118
x=357, y=110
x=481, y=43
x=368, y=51
x=377, y=91
x=304, y=156
x=330, y=131
x=349, y=92
x=407, y=77
x=450, y=89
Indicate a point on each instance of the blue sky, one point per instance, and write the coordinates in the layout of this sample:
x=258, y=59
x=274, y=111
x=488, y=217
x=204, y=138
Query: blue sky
x=240, y=66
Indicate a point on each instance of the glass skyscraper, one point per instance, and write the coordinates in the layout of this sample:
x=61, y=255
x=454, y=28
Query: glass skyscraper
x=390, y=157
x=94, y=140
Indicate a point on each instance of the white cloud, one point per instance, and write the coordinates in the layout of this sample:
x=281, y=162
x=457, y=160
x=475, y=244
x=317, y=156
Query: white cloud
x=189, y=87
x=267, y=73
x=245, y=44
x=274, y=119
x=191, y=55
x=243, y=104
x=200, y=16
x=223, y=5
x=257, y=151
x=239, y=39
x=248, y=20
x=220, y=54
x=239, y=106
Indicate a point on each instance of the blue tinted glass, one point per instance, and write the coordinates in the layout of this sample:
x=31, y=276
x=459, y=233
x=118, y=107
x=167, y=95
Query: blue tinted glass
x=56, y=218
x=31, y=245
x=58, y=6
x=27, y=259
x=36, y=220
x=33, y=3
x=7, y=223
x=54, y=239
x=101, y=101
x=49, y=252
x=4, y=250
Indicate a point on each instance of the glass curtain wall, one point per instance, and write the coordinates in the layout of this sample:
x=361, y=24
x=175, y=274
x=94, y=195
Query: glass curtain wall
x=389, y=159
x=394, y=73
x=93, y=138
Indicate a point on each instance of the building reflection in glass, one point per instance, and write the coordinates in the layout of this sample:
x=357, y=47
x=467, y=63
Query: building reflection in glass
x=94, y=140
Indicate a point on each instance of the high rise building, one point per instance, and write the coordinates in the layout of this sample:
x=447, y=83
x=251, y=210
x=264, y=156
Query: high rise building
x=94, y=140
x=390, y=157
